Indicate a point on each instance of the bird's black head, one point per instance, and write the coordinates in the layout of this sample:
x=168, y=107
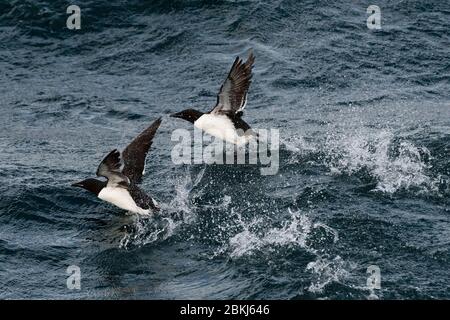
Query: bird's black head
x=189, y=114
x=92, y=185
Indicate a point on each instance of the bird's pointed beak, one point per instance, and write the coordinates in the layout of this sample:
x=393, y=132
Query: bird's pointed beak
x=177, y=115
x=77, y=184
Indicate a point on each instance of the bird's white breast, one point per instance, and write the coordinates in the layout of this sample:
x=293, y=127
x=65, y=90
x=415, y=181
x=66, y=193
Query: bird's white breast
x=121, y=198
x=220, y=126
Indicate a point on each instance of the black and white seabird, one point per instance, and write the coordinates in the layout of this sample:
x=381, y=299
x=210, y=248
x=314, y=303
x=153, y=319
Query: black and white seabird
x=123, y=172
x=225, y=119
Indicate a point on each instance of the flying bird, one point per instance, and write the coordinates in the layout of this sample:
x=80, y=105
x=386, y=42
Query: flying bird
x=123, y=173
x=225, y=121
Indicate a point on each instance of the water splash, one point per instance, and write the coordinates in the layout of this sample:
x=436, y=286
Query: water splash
x=388, y=162
x=299, y=148
x=145, y=230
x=394, y=165
x=163, y=225
x=326, y=271
x=296, y=231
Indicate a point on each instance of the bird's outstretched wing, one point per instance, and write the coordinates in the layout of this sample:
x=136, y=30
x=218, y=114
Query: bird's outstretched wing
x=110, y=169
x=135, y=153
x=232, y=96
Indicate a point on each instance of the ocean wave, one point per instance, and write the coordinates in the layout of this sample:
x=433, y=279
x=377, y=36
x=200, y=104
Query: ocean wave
x=365, y=169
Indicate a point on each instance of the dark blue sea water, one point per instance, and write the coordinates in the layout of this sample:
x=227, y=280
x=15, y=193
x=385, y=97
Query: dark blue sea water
x=364, y=178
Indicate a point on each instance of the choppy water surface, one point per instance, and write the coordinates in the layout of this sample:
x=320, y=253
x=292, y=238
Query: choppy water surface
x=364, y=160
